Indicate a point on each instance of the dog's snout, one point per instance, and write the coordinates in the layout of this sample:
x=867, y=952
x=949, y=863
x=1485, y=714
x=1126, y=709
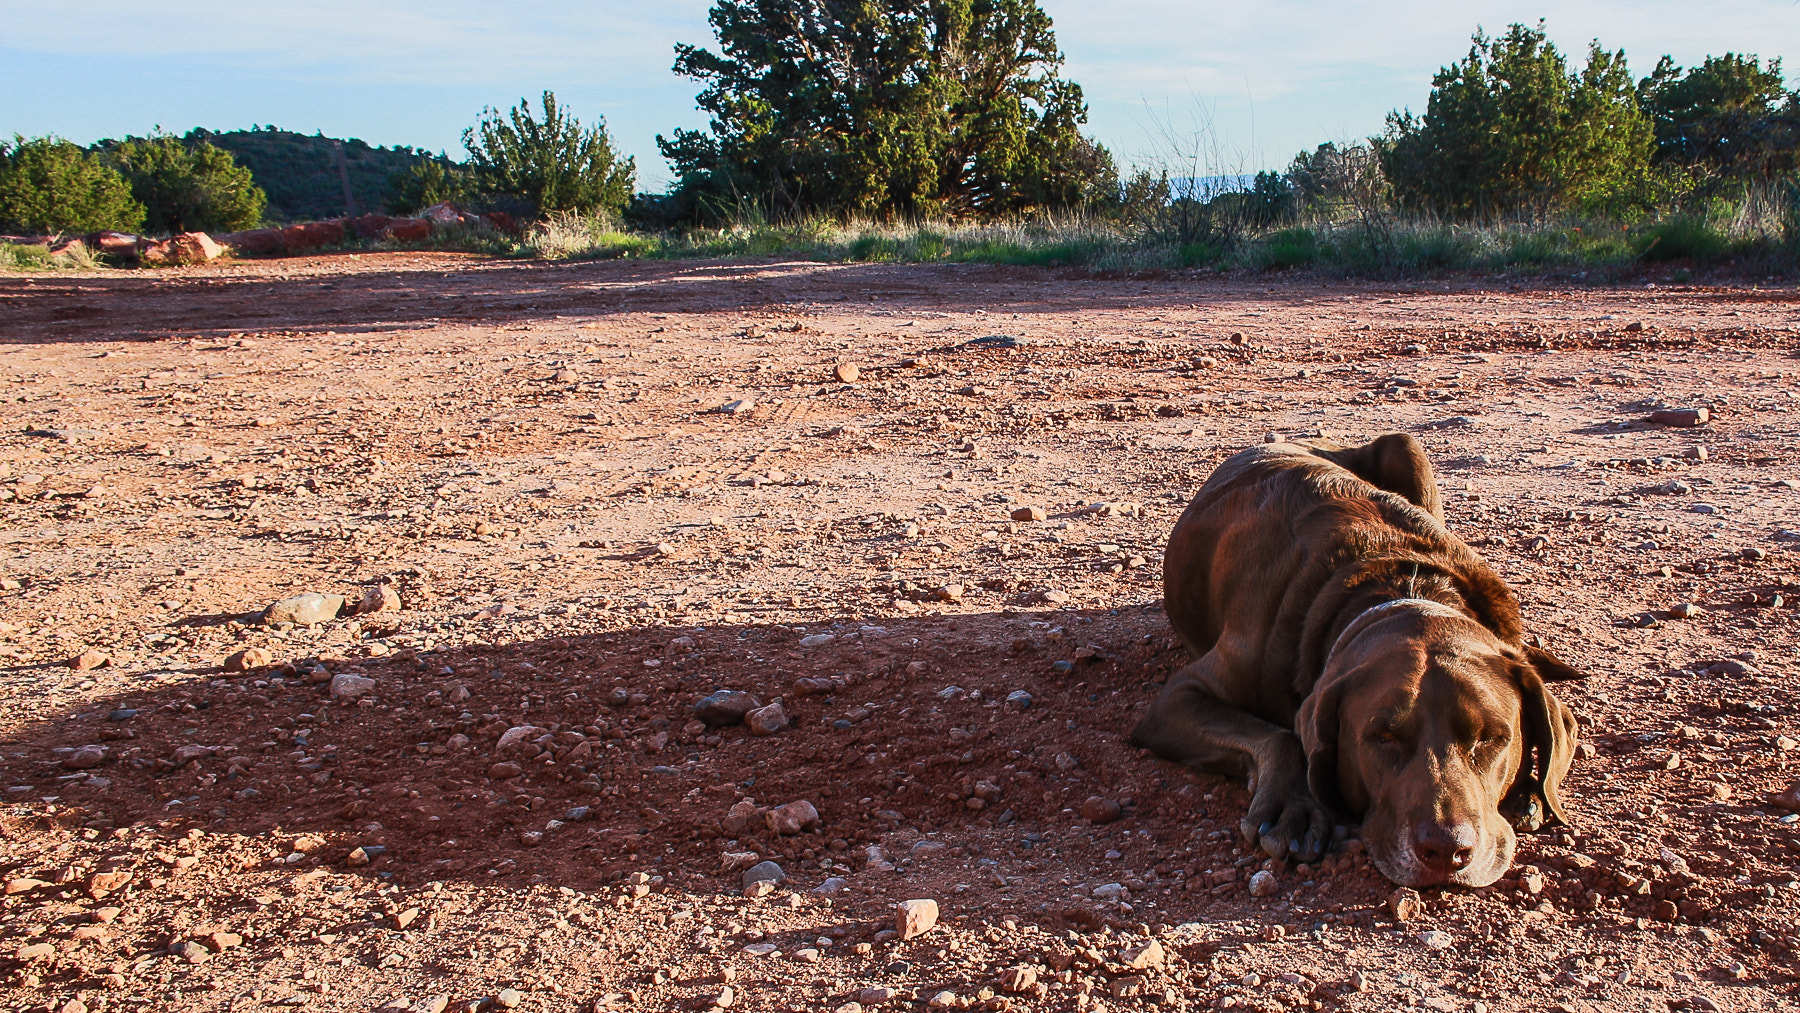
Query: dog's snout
x=1444, y=849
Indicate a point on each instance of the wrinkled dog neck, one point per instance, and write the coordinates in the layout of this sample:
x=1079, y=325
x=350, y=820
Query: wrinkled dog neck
x=1372, y=614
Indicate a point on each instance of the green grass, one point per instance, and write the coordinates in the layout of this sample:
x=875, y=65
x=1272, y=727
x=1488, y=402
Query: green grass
x=1385, y=247
x=30, y=257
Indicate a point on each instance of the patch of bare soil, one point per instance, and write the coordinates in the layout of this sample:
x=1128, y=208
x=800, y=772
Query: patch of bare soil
x=501, y=792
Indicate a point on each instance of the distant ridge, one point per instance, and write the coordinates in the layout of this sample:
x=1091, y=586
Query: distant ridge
x=300, y=174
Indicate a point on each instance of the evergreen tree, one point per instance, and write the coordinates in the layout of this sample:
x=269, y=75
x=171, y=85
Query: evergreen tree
x=1512, y=130
x=886, y=107
x=1730, y=114
x=187, y=186
x=554, y=164
x=50, y=185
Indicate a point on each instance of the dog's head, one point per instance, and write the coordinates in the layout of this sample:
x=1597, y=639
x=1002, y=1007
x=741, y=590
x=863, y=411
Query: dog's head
x=1443, y=737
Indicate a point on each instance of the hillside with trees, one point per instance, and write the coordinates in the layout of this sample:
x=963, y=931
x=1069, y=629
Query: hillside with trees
x=300, y=174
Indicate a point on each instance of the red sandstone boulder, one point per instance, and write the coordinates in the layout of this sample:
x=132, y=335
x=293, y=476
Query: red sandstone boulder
x=312, y=235
x=119, y=245
x=254, y=241
x=408, y=230
x=186, y=248
x=369, y=226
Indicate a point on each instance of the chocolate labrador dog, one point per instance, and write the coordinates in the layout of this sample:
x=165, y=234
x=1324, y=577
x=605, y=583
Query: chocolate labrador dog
x=1357, y=662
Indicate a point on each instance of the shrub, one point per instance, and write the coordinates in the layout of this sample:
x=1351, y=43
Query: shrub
x=50, y=185
x=427, y=182
x=1289, y=248
x=187, y=186
x=554, y=164
x=1683, y=237
x=1513, y=129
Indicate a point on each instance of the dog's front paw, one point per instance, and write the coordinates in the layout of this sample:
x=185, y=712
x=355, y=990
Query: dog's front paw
x=1288, y=825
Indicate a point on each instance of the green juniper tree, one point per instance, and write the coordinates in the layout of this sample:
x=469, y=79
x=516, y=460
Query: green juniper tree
x=908, y=108
x=554, y=164
x=1512, y=130
x=50, y=185
x=1730, y=115
x=187, y=185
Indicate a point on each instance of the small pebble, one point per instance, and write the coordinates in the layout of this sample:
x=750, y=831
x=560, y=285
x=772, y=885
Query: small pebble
x=1263, y=884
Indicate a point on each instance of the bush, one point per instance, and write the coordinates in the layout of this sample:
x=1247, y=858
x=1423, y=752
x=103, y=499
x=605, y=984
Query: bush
x=553, y=164
x=427, y=182
x=1513, y=130
x=1683, y=237
x=51, y=185
x=1288, y=248
x=187, y=186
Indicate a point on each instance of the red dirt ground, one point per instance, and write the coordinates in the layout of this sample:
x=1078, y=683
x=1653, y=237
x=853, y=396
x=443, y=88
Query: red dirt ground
x=530, y=456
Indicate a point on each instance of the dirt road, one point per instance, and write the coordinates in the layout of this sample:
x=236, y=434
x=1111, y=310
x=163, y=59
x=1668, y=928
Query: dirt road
x=601, y=492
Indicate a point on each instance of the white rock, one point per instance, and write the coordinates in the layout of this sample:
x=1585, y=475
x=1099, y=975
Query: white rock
x=513, y=736
x=345, y=686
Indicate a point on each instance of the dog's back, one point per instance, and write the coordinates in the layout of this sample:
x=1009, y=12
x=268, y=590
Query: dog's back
x=1278, y=511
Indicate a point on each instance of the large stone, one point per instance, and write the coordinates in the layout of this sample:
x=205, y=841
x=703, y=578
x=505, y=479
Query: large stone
x=262, y=241
x=766, y=720
x=249, y=659
x=102, y=883
x=345, y=686
x=792, y=818
x=1789, y=799
x=741, y=815
x=1140, y=957
x=185, y=248
x=763, y=872
x=118, y=245
x=725, y=707
x=194, y=248
x=312, y=235
x=305, y=609
x=516, y=735
x=89, y=756
x=1100, y=810
x=89, y=659
x=1682, y=417
x=914, y=918
x=442, y=213
x=379, y=598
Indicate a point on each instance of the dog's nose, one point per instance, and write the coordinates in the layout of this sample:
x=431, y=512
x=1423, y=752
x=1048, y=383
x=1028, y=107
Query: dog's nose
x=1444, y=849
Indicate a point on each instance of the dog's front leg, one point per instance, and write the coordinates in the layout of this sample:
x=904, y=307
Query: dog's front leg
x=1189, y=725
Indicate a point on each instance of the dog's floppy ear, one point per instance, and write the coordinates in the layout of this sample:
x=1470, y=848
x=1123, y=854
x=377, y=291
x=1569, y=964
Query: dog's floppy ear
x=1549, y=667
x=1317, y=725
x=1550, y=732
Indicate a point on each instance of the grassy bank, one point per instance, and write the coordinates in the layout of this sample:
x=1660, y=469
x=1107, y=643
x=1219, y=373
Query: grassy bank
x=1382, y=246
x=1386, y=247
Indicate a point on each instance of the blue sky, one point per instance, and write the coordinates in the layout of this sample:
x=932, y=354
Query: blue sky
x=1260, y=80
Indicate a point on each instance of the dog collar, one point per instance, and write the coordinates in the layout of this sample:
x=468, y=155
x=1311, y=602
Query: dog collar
x=1424, y=605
